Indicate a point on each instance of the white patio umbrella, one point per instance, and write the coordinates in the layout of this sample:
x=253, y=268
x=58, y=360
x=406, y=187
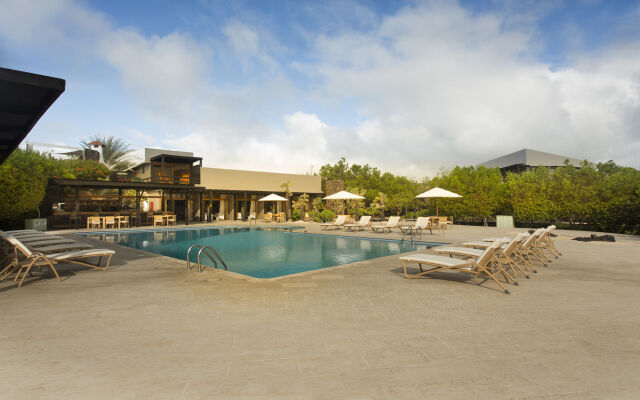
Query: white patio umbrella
x=343, y=195
x=273, y=197
x=437, y=193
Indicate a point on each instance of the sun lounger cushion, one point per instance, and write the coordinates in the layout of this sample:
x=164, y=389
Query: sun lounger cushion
x=53, y=240
x=435, y=260
x=460, y=250
x=58, y=248
x=81, y=254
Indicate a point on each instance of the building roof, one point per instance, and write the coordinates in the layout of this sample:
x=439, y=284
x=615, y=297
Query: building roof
x=24, y=98
x=150, y=153
x=532, y=158
x=171, y=158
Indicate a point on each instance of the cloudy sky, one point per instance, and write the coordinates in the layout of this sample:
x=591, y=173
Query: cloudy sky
x=410, y=87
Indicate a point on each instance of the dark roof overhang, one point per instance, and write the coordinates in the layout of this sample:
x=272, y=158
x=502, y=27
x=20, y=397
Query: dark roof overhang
x=90, y=184
x=175, y=159
x=24, y=98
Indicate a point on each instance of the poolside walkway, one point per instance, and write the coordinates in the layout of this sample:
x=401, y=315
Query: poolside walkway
x=147, y=329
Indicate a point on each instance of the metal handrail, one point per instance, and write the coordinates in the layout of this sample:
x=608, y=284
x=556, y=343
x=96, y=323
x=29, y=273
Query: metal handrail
x=207, y=250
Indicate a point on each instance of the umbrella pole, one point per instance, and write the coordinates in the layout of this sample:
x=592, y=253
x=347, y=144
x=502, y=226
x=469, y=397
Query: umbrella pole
x=437, y=215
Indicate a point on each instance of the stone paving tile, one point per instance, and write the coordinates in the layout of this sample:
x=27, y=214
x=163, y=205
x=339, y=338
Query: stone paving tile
x=149, y=329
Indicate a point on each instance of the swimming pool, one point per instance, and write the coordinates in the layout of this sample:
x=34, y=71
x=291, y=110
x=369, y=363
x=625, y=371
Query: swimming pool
x=262, y=252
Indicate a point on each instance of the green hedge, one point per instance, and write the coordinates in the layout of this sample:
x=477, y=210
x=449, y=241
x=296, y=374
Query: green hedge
x=23, y=181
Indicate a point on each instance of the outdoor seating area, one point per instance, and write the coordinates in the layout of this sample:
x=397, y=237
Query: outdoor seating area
x=392, y=224
x=273, y=217
x=490, y=258
x=24, y=250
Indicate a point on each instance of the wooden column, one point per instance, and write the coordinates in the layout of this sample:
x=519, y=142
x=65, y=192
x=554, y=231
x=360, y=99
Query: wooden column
x=138, y=194
x=77, y=208
x=187, y=208
x=201, y=209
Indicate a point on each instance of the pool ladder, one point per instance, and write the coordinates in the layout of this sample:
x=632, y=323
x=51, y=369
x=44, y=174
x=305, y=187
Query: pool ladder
x=209, y=252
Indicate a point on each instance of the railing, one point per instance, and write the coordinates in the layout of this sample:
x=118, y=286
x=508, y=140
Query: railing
x=207, y=251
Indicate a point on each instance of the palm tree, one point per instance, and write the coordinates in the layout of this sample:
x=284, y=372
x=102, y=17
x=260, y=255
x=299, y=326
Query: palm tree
x=286, y=187
x=301, y=204
x=115, y=152
x=380, y=202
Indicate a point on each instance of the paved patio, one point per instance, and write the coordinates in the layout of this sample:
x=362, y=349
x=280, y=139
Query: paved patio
x=147, y=329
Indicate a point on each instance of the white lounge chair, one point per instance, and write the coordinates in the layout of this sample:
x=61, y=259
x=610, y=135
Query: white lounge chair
x=477, y=266
x=506, y=256
x=422, y=223
x=341, y=220
x=387, y=226
x=38, y=259
x=360, y=225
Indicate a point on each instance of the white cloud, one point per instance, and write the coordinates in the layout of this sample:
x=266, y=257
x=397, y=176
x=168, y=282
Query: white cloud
x=447, y=87
x=429, y=86
x=247, y=43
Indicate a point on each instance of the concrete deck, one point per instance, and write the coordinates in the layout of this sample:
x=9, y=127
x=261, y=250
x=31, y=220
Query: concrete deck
x=147, y=329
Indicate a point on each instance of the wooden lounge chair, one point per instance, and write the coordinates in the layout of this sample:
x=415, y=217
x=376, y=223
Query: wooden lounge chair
x=33, y=258
x=341, y=220
x=477, y=267
x=391, y=223
x=530, y=248
x=268, y=217
x=422, y=224
x=360, y=225
x=544, y=242
x=506, y=255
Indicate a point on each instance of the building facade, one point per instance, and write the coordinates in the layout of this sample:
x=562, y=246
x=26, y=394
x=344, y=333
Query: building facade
x=527, y=159
x=219, y=194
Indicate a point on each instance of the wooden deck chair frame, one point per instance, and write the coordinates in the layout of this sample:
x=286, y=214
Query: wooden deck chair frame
x=529, y=248
x=544, y=242
x=38, y=259
x=477, y=267
x=497, y=264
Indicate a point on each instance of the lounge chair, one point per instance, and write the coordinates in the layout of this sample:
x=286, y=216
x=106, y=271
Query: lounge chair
x=477, y=266
x=39, y=259
x=391, y=223
x=544, y=242
x=530, y=248
x=341, y=220
x=422, y=223
x=360, y=225
x=268, y=217
x=506, y=256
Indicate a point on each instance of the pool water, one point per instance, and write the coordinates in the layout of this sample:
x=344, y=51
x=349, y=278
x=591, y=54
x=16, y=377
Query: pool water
x=262, y=252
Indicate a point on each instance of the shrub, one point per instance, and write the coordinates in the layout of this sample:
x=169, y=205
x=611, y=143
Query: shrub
x=295, y=215
x=325, y=216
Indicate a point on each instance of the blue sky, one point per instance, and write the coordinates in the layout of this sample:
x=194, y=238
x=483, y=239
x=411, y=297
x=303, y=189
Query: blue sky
x=410, y=87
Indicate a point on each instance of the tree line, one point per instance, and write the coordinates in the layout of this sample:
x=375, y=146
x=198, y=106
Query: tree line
x=603, y=197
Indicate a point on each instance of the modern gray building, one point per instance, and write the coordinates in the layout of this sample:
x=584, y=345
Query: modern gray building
x=527, y=159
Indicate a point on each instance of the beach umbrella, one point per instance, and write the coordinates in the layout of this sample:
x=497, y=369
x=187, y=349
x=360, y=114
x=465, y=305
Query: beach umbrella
x=273, y=197
x=343, y=195
x=437, y=193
